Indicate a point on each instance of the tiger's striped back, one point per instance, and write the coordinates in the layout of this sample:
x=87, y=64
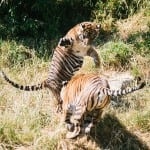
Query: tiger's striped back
x=87, y=94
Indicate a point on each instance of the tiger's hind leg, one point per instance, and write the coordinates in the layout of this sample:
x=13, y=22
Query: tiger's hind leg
x=87, y=123
x=93, y=118
x=76, y=120
x=58, y=101
x=68, y=124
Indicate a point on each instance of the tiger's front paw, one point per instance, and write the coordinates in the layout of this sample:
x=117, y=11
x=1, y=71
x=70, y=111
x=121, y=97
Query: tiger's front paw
x=66, y=42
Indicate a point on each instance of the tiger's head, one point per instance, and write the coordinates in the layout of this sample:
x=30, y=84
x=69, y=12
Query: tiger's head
x=88, y=31
x=84, y=32
x=78, y=39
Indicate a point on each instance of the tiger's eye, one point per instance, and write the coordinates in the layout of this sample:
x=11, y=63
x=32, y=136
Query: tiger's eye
x=98, y=26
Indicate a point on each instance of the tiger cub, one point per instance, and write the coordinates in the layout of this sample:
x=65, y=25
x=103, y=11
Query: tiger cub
x=67, y=59
x=84, y=98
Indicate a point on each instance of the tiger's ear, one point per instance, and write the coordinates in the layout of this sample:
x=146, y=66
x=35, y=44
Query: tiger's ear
x=82, y=25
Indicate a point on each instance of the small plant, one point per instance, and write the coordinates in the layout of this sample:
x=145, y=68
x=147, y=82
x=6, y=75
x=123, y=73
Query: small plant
x=12, y=53
x=116, y=54
x=143, y=121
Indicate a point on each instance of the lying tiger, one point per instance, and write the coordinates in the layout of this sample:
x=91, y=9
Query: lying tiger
x=84, y=98
x=67, y=58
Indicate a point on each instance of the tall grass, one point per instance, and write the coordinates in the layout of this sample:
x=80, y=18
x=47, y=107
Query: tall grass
x=25, y=115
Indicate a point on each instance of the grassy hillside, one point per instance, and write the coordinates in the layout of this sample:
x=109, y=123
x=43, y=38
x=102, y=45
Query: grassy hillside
x=28, y=120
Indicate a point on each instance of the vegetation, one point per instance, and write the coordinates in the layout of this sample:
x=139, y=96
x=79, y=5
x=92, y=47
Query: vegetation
x=29, y=30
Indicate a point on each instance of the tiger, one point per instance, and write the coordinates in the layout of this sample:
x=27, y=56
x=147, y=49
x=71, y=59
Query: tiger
x=67, y=58
x=84, y=98
x=78, y=40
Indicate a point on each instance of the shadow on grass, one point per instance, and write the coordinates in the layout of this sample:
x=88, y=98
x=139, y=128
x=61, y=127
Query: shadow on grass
x=112, y=135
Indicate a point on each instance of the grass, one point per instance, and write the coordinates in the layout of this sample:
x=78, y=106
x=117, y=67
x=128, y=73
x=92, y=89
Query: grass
x=139, y=21
x=28, y=120
x=23, y=116
x=116, y=54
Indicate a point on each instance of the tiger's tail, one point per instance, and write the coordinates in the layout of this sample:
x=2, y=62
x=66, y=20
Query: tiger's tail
x=124, y=91
x=25, y=87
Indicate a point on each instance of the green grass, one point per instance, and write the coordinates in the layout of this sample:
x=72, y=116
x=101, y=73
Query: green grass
x=143, y=121
x=116, y=54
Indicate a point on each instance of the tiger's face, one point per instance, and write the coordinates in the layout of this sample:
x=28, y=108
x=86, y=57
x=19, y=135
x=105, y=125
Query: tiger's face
x=85, y=31
x=88, y=31
x=82, y=36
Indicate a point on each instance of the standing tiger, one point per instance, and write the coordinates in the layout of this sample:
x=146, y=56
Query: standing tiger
x=80, y=38
x=67, y=58
x=84, y=98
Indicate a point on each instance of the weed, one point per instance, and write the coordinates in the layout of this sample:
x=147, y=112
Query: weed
x=116, y=54
x=142, y=121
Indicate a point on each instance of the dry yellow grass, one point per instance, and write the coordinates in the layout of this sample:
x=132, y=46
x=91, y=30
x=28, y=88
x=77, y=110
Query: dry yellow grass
x=28, y=120
x=136, y=23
